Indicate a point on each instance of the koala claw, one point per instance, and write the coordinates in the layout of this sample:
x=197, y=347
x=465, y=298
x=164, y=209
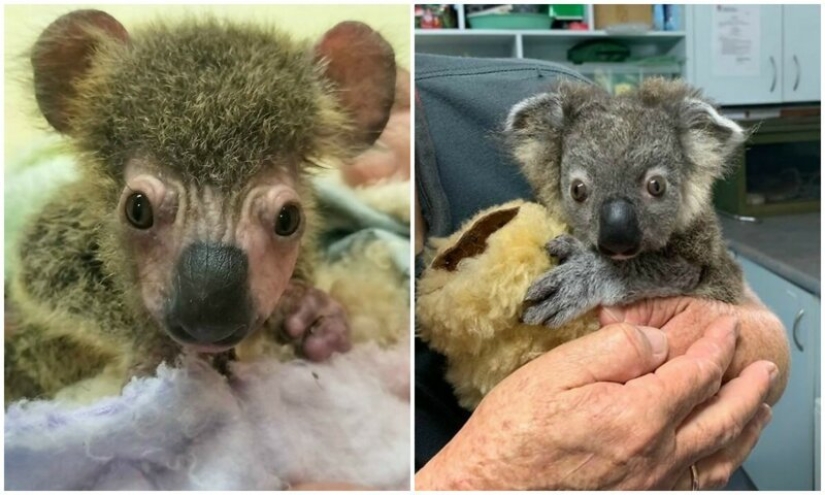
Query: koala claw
x=564, y=246
x=560, y=295
x=315, y=322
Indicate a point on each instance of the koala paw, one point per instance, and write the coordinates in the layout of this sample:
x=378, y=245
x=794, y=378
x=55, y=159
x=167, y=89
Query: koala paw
x=561, y=294
x=565, y=246
x=314, y=322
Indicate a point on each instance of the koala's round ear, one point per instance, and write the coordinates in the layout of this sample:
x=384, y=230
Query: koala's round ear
x=63, y=55
x=551, y=111
x=361, y=66
x=709, y=138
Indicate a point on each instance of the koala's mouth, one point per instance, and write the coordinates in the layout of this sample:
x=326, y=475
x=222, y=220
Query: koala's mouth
x=185, y=338
x=620, y=256
x=623, y=257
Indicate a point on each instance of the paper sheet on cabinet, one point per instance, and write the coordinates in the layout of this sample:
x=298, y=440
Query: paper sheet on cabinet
x=735, y=32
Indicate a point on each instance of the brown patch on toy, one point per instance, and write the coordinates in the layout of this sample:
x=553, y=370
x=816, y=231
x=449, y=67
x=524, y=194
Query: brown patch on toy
x=474, y=241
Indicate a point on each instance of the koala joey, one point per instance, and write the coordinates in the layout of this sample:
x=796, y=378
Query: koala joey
x=631, y=175
x=191, y=227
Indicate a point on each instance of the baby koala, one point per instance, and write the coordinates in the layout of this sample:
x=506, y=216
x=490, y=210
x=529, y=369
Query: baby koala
x=192, y=227
x=631, y=175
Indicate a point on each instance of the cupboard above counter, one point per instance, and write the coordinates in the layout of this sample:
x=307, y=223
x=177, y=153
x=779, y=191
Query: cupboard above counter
x=755, y=54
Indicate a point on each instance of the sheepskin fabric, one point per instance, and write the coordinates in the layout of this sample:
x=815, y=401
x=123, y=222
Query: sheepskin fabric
x=271, y=425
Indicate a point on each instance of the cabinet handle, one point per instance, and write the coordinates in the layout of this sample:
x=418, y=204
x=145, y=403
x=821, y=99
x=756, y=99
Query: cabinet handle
x=773, y=65
x=798, y=72
x=796, y=321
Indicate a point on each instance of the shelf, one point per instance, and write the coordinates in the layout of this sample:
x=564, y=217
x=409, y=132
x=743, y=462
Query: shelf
x=632, y=68
x=545, y=44
x=542, y=33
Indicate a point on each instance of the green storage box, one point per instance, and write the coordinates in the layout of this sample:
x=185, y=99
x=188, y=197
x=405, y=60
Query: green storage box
x=567, y=12
x=509, y=21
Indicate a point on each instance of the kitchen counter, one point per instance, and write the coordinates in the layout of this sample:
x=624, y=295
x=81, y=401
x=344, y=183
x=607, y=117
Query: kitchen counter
x=788, y=245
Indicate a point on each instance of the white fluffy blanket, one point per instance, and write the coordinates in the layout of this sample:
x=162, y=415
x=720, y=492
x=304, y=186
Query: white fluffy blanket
x=268, y=427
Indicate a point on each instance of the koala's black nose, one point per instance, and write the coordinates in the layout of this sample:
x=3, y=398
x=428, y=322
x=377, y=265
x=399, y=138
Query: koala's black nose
x=210, y=301
x=619, y=232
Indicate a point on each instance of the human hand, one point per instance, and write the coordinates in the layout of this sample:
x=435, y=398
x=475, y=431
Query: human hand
x=684, y=319
x=604, y=412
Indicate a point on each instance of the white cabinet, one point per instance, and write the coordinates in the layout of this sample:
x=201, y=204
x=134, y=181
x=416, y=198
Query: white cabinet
x=784, y=42
x=754, y=86
x=784, y=457
x=801, y=52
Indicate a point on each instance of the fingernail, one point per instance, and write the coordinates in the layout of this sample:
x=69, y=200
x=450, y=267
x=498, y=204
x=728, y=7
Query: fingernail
x=773, y=371
x=765, y=415
x=657, y=339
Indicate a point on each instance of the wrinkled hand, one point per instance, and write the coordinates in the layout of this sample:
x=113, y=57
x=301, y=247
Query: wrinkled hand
x=312, y=320
x=607, y=412
x=684, y=320
x=565, y=291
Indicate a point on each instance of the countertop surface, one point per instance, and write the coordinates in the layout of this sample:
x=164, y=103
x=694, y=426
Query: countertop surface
x=788, y=245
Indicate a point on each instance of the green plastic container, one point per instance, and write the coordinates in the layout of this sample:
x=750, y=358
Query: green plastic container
x=509, y=21
x=567, y=12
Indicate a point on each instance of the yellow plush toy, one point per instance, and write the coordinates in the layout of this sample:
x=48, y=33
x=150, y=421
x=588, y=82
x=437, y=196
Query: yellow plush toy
x=470, y=297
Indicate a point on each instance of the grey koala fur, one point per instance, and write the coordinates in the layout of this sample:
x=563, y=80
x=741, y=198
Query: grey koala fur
x=210, y=112
x=613, y=147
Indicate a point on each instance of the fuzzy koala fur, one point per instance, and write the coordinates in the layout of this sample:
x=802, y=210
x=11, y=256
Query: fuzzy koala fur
x=469, y=297
x=212, y=105
x=626, y=242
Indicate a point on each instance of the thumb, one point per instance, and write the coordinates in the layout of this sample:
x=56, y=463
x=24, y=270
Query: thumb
x=617, y=353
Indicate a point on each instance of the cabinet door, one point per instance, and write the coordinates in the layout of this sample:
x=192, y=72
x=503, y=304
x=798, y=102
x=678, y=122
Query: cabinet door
x=801, y=49
x=725, y=37
x=783, y=459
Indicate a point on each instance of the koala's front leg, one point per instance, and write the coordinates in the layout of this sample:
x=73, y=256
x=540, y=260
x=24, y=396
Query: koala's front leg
x=312, y=321
x=584, y=279
x=144, y=359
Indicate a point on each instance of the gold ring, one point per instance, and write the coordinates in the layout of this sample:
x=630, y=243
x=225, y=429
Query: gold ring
x=694, y=478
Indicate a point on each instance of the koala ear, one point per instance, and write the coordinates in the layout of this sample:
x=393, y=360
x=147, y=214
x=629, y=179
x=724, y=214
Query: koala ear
x=537, y=113
x=361, y=66
x=534, y=130
x=63, y=55
x=551, y=111
x=709, y=138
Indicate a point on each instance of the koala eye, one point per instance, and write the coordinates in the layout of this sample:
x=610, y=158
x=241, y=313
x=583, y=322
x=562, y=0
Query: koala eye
x=139, y=211
x=578, y=190
x=656, y=185
x=289, y=219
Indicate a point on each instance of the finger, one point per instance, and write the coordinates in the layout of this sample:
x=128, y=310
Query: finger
x=540, y=313
x=541, y=288
x=690, y=379
x=305, y=314
x=609, y=315
x=715, y=470
x=649, y=312
x=720, y=420
x=616, y=353
x=330, y=336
